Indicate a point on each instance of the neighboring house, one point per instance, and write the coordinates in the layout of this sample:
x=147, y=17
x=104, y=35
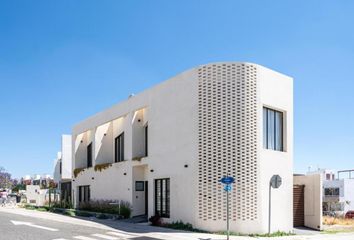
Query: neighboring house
x=165, y=150
x=327, y=174
x=37, y=196
x=26, y=180
x=338, y=195
x=44, y=181
x=63, y=168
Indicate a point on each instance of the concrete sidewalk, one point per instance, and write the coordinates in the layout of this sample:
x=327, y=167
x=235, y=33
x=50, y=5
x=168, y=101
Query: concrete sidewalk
x=156, y=232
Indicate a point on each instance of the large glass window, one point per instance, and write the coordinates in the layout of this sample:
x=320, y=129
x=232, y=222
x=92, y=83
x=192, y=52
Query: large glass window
x=119, y=148
x=162, y=197
x=273, y=129
x=89, y=155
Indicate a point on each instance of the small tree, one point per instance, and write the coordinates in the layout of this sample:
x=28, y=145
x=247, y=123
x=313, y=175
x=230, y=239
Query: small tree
x=6, y=182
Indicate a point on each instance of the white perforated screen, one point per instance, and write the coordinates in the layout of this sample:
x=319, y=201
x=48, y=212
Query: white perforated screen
x=227, y=140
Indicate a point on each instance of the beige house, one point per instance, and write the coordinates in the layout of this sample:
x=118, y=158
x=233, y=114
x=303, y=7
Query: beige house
x=165, y=150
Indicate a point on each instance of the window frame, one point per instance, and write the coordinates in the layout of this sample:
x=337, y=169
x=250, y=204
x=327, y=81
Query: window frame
x=89, y=155
x=119, y=148
x=273, y=120
x=333, y=192
x=159, y=184
x=146, y=139
x=139, y=186
x=84, y=193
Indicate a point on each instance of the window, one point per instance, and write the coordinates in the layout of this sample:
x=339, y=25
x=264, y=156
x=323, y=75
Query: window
x=84, y=193
x=139, y=186
x=162, y=197
x=60, y=167
x=332, y=192
x=272, y=129
x=146, y=139
x=119, y=148
x=89, y=155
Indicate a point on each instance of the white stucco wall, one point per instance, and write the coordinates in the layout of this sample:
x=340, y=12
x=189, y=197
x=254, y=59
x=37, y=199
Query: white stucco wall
x=349, y=194
x=171, y=110
x=276, y=92
x=66, y=158
x=313, y=199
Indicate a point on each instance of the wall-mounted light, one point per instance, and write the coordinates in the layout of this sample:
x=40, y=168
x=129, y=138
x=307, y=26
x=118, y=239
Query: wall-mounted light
x=152, y=170
x=125, y=173
x=81, y=141
x=139, y=120
x=186, y=165
x=92, y=178
x=105, y=134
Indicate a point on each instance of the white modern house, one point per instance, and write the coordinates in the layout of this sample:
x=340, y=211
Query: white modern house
x=339, y=193
x=165, y=150
x=63, y=168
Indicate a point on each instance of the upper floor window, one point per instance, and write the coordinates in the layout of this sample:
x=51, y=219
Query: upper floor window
x=331, y=191
x=89, y=155
x=60, y=167
x=273, y=129
x=146, y=139
x=119, y=148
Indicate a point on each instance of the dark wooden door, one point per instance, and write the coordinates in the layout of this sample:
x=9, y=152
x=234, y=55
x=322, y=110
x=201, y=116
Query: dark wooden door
x=298, y=208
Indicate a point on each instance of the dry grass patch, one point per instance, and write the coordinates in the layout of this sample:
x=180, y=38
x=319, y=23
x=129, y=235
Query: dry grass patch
x=338, y=221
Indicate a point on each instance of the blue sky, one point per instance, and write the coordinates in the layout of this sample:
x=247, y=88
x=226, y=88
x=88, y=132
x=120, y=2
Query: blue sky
x=62, y=61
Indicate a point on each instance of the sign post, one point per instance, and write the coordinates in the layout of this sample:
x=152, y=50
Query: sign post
x=227, y=181
x=275, y=182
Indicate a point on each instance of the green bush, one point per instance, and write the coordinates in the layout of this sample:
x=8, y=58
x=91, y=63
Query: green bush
x=125, y=211
x=180, y=226
x=70, y=213
x=101, y=216
x=83, y=214
x=62, y=204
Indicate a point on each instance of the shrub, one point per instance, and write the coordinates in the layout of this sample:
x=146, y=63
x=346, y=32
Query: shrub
x=125, y=210
x=77, y=171
x=101, y=216
x=180, y=226
x=70, y=213
x=106, y=206
x=155, y=220
x=101, y=167
x=83, y=214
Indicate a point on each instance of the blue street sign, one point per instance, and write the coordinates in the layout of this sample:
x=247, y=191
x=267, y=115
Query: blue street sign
x=228, y=188
x=227, y=180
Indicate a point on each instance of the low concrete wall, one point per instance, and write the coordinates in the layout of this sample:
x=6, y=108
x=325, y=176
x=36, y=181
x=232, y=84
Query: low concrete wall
x=313, y=199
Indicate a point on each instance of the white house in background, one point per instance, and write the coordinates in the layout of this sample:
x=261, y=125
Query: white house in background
x=165, y=150
x=63, y=168
x=339, y=193
x=41, y=180
x=327, y=174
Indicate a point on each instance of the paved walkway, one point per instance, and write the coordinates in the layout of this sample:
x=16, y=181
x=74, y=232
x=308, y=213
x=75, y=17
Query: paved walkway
x=141, y=231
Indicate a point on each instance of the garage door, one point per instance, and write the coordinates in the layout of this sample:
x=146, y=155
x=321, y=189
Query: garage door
x=299, y=216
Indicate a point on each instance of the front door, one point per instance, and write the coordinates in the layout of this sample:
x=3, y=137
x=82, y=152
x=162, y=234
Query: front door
x=298, y=207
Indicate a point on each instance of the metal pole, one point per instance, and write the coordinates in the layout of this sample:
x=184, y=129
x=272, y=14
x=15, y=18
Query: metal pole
x=270, y=207
x=227, y=214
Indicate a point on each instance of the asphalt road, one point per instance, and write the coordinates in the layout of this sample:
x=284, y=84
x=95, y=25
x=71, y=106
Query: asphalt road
x=21, y=224
x=17, y=227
